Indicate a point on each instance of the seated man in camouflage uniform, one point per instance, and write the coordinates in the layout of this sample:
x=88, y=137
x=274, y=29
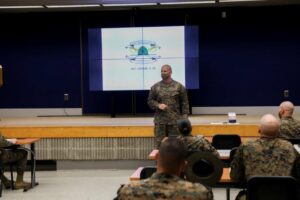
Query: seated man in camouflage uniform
x=289, y=127
x=166, y=183
x=14, y=155
x=266, y=156
x=194, y=143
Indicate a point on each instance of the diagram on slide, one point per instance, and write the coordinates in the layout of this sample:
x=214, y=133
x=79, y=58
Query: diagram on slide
x=142, y=51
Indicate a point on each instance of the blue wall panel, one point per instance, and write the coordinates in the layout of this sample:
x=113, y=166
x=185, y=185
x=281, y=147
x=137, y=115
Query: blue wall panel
x=40, y=55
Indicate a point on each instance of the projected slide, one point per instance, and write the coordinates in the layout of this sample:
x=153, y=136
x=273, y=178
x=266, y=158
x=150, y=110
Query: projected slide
x=132, y=57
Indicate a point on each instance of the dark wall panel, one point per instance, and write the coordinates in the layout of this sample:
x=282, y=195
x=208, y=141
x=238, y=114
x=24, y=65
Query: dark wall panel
x=40, y=55
x=249, y=60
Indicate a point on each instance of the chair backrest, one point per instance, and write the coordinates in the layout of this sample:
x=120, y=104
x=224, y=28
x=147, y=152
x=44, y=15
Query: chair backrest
x=294, y=140
x=203, y=167
x=147, y=172
x=226, y=141
x=271, y=187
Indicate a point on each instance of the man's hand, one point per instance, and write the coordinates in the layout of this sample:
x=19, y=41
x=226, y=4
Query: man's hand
x=162, y=106
x=12, y=140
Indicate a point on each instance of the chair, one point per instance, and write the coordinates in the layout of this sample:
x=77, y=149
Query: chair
x=272, y=187
x=2, y=170
x=12, y=164
x=147, y=172
x=294, y=140
x=203, y=167
x=226, y=141
x=33, y=168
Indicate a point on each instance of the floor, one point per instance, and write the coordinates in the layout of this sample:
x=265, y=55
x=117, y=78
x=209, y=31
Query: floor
x=82, y=185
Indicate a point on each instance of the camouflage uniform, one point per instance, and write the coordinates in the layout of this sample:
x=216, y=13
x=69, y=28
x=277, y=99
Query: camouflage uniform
x=265, y=157
x=174, y=95
x=289, y=128
x=163, y=186
x=13, y=155
x=198, y=143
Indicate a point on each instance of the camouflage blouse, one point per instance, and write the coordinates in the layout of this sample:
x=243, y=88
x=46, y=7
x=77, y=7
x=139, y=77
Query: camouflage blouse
x=198, y=143
x=263, y=157
x=4, y=142
x=163, y=186
x=289, y=128
x=174, y=95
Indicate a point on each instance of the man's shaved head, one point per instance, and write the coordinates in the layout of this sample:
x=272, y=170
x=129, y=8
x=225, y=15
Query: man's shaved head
x=286, y=109
x=269, y=126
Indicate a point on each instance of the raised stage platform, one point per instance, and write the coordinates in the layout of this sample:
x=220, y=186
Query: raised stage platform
x=105, y=138
x=82, y=127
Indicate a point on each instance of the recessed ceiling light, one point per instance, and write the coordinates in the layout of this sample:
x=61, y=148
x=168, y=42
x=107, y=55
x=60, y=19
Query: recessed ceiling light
x=187, y=2
x=72, y=6
x=18, y=7
x=227, y=1
x=130, y=4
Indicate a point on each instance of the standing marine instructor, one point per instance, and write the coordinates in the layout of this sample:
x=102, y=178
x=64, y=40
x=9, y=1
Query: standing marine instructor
x=169, y=100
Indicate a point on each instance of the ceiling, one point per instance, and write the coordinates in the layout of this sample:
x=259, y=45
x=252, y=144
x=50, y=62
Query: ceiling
x=8, y=5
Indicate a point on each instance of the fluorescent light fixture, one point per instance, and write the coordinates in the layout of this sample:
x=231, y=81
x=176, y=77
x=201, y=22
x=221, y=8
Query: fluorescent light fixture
x=73, y=6
x=130, y=4
x=19, y=7
x=230, y=1
x=187, y=2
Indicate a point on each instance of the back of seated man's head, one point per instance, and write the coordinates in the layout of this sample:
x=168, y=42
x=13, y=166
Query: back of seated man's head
x=172, y=153
x=184, y=126
x=269, y=126
x=286, y=109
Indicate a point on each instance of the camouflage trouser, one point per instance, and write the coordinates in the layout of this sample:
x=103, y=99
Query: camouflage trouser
x=164, y=130
x=16, y=155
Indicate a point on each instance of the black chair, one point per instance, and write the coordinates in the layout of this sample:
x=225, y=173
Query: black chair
x=33, y=169
x=11, y=167
x=147, y=172
x=203, y=167
x=294, y=140
x=11, y=164
x=2, y=170
x=226, y=141
x=272, y=187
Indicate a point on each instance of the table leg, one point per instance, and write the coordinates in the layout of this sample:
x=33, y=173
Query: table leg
x=32, y=147
x=228, y=193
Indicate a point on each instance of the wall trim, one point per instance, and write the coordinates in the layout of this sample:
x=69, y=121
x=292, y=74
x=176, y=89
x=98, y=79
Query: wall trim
x=246, y=110
x=40, y=112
